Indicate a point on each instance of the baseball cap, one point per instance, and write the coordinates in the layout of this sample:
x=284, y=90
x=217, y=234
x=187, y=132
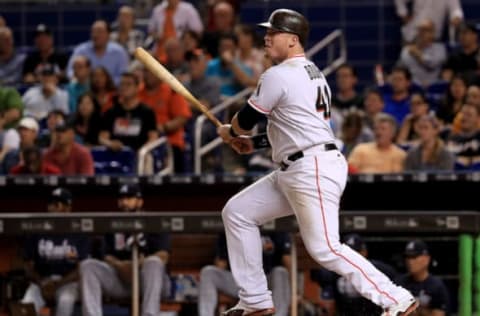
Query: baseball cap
x=195, y=54
x=29, y=123
x=415, y=248
x=42, y=29
x=47, y=70
x=468, y=27
x=61, y=195
x=130, y=190
x=355, y=242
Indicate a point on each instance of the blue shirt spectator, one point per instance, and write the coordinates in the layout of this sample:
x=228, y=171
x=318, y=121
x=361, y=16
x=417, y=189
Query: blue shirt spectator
x=81, y=82
x=11, y=63
x=102, y=52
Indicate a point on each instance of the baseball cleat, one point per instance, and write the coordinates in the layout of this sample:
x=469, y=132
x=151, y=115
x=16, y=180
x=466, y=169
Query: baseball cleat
x=403, y=308
x=239, y=311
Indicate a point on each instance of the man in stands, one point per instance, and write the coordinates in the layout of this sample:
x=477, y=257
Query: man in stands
x=46, y=97
x=101, y=51
x=44, y=53
x=129, y=123
x=171, y=111
x=397, y=103
x=11, y=63
x=68, y=155
x=466, y=143
x=111, y=274
x=382, y=155
x=346, y=96
x=80, y=83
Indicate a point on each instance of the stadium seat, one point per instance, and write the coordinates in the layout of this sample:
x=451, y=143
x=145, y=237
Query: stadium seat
x=110, y=162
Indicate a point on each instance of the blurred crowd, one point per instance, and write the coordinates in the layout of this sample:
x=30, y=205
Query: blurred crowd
x=59, y=110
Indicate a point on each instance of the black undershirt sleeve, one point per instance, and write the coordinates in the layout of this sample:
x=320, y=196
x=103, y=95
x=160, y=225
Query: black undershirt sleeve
x=248, y=117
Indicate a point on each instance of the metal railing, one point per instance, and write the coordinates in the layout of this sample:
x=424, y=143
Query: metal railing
x=332, y=63
x=143, y=154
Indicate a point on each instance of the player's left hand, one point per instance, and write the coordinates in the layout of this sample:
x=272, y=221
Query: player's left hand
x=242, y=145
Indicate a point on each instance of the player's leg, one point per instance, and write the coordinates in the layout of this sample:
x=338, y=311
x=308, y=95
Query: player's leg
x=96, y=276
x=212, y=280
x=66, y=296
x=314, y=187
x=33, y=294
x=153, y=277
x=243, y=213
x=279, y=280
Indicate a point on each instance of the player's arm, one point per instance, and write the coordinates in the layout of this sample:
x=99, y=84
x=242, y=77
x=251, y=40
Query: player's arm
x=242, y=123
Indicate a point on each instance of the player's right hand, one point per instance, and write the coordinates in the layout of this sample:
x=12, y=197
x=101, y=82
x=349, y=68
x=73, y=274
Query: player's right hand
x=242, y=145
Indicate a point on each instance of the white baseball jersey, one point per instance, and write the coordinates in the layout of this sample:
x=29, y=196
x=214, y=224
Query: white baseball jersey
x=296, y=99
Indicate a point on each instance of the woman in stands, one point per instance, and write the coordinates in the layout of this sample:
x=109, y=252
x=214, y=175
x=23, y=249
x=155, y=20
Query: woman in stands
x=430, y=154
x=103, y=88
x=453, y=101
x=418, y=108
x=87, y=120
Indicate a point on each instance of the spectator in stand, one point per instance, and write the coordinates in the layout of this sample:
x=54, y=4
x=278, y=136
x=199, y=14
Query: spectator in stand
x=466, y=60
x=87, y=120
x=190, y=41
x=175, y=59
x=472, y=97
x=218, y=277
x=429, y=290
x=373, y=104
x=80, y=82
x=224, y=20
x=434, y=10
x=111, y=274
x=354, y=131
x=2, y=21
x=346, y=97
x=11, y=107
x=11, y=63
x=466, y=143
x=453, y=101
x=397, y=103
x=101, y=51
x=431, y=153
x=424, y=58
x=419, y=107
x=337, y=293
x=51, y=262
x=171, y=112
x=232, y=73
x=103, y=88
x=65, y=153
x=170, y=19
x=24, y=136
x=126, y=34
x=129, y=123
x=247, y=52
x=46, y=97
x=33, y=164
x=382, y=155
x=46, y=137
x=44, y=53
x=205, y=89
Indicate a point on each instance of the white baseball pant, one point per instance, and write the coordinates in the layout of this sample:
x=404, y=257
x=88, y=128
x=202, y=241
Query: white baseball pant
x=310, y=188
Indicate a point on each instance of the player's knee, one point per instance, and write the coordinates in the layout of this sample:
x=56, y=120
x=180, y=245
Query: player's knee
x=88, y=265
x=66, y=300
x=153, y=262
x=207, y=272
x=230, y=211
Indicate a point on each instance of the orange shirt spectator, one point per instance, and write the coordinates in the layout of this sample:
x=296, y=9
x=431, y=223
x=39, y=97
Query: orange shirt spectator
x=167, y=105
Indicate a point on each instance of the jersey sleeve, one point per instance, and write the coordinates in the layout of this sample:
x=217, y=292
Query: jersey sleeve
x=269, y=92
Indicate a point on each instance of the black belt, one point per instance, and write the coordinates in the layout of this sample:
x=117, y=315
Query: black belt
x=299, y=154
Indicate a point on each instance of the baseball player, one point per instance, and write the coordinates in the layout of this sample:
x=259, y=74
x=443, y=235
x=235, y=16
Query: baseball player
x=295, y=97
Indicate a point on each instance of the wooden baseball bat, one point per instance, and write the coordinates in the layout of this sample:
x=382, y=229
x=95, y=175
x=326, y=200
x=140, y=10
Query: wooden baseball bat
x=161, y=72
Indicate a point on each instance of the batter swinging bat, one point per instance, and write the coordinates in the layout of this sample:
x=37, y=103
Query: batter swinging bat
x=156, y=68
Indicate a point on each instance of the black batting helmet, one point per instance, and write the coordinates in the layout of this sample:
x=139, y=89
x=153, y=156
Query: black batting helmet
x=289, y=21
